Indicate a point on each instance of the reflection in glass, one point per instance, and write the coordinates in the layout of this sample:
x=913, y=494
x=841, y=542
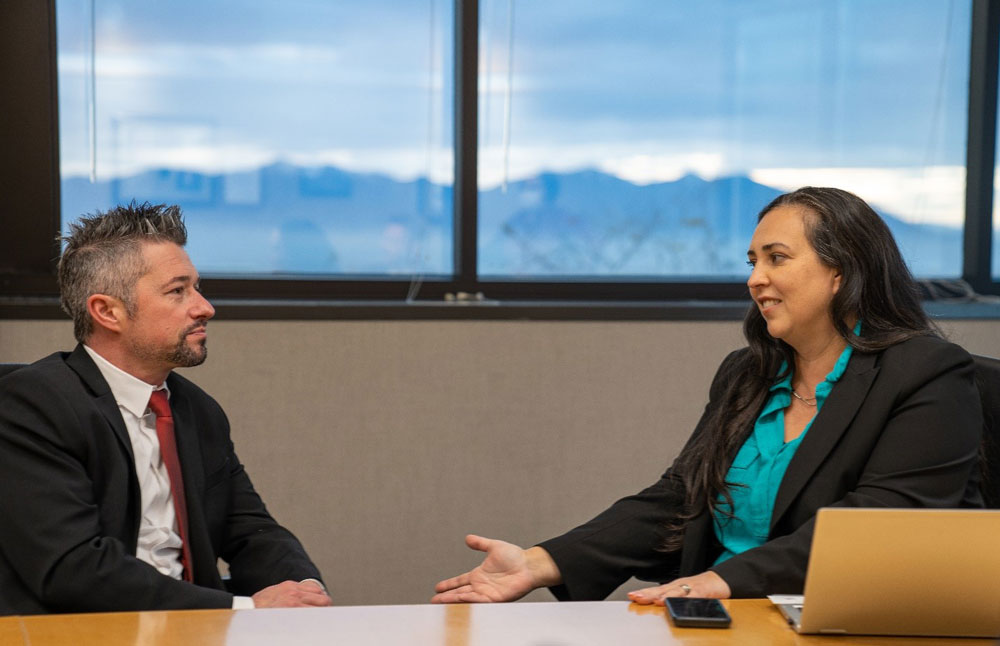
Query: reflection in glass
x=640, y=138
x=299, y=137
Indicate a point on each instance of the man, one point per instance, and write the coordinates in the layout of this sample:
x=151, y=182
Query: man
x=119, y=487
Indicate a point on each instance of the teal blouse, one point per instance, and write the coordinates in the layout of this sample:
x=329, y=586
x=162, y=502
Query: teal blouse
x=760, y=466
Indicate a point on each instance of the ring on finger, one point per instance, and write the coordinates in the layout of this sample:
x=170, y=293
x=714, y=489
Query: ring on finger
x=686, y=588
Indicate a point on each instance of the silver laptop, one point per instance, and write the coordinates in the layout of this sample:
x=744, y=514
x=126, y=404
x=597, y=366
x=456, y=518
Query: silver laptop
x=930, y=572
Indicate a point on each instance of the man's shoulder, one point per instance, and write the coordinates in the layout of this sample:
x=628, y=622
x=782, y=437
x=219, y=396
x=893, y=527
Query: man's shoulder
x=51, y=369
x=55, y=361
x=49, y=397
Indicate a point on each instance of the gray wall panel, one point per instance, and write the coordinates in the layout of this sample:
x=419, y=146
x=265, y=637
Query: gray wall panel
x=381, y=444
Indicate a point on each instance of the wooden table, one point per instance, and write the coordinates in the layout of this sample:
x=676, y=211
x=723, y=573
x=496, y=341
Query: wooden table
x=755, y=623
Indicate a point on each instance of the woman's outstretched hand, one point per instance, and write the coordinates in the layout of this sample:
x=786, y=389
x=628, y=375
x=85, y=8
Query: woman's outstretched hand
x=506, y=574
x=707, y=585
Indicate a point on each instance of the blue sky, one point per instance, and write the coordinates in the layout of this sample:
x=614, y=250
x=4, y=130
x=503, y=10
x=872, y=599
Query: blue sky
x=789, y=92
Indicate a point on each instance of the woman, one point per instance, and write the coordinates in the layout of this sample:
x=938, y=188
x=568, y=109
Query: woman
x=846, y=396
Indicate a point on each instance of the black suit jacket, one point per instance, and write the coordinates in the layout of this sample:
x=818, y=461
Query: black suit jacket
x=70, y=502
x=901, y=428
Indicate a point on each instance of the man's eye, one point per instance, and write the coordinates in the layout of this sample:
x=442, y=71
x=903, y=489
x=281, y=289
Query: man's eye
x=751, y=263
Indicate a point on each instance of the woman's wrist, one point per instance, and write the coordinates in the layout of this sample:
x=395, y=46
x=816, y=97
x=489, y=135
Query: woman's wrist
x=544, y=571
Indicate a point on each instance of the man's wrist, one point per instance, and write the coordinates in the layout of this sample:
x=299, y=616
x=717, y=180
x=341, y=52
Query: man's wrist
x=317, y=582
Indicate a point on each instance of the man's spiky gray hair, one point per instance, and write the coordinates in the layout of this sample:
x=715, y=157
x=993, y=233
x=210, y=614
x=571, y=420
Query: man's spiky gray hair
x=103, y=255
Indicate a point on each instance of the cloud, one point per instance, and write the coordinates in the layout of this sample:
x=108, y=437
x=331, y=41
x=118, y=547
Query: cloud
x=187, y=61
x=924, y=195
x=649, y=169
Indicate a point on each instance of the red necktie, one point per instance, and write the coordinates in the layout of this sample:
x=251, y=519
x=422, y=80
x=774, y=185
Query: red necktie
x=168, y=451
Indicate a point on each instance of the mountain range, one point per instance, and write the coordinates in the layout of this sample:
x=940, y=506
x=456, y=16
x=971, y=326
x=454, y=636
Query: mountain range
x=286, y=219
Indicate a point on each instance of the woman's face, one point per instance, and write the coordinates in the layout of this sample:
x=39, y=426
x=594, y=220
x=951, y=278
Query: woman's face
x=791, y=286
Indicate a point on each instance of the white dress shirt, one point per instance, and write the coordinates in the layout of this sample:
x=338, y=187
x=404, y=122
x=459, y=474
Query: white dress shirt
x=159, y=542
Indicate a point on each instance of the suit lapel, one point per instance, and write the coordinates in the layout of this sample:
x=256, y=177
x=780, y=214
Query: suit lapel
x=835, y=417
x=81, y=363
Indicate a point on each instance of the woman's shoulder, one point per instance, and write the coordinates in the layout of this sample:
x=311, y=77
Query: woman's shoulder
x=736, y=365
x=735, y=361
x=926, y=343
x=925, y=354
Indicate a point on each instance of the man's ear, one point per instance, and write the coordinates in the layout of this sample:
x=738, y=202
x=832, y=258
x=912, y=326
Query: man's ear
x=107, y=312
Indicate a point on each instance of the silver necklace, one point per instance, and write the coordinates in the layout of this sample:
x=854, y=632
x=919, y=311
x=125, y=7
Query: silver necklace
x=808, y=401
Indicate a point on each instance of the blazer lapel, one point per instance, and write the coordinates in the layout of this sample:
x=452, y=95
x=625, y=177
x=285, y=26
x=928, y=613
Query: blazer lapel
x=836, y=415
x=81, y=363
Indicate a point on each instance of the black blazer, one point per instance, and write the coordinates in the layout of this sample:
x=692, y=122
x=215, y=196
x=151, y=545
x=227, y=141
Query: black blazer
x=901, y=428
x=70, y=503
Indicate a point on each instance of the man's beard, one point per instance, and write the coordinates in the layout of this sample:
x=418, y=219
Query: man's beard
x=185, y=356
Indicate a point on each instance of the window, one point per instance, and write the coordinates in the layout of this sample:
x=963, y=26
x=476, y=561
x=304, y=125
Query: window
x=399, y=150
x=300, y=137
x=641, y=137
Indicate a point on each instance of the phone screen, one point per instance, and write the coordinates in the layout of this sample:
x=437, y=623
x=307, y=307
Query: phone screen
x=686, y=611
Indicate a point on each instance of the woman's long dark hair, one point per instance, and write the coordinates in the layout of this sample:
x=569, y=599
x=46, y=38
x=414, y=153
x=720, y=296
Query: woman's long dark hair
x=875, y=287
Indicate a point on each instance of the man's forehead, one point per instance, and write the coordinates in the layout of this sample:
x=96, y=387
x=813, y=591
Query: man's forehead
x=166, y=261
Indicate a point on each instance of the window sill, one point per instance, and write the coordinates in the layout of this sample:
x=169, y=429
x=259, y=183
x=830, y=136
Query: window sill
x=47, y=308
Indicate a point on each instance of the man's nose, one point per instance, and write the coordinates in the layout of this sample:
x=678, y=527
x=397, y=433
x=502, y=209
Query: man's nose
x=204, y=309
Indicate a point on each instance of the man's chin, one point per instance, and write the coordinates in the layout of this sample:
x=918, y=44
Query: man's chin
x=197, y=360
x=189, y=357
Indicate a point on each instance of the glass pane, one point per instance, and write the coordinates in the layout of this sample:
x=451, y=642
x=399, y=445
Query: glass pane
x=641, y=137
x=300, y=137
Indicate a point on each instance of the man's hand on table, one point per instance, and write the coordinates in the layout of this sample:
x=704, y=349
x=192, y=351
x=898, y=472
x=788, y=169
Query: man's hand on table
x=292, y=594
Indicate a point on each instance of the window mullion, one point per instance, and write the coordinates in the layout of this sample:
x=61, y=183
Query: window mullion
x=466, y=143
x=981, y=144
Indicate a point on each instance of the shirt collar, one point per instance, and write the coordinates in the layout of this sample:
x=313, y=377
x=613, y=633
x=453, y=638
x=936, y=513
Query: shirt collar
x=786, y=382
x=842, y=361
x=840, y=366
x=130, y=392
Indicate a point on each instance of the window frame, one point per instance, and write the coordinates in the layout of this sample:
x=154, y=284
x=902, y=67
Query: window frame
x=29, y=251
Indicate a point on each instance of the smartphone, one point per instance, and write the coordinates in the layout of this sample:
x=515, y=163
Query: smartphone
x=697, y=613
